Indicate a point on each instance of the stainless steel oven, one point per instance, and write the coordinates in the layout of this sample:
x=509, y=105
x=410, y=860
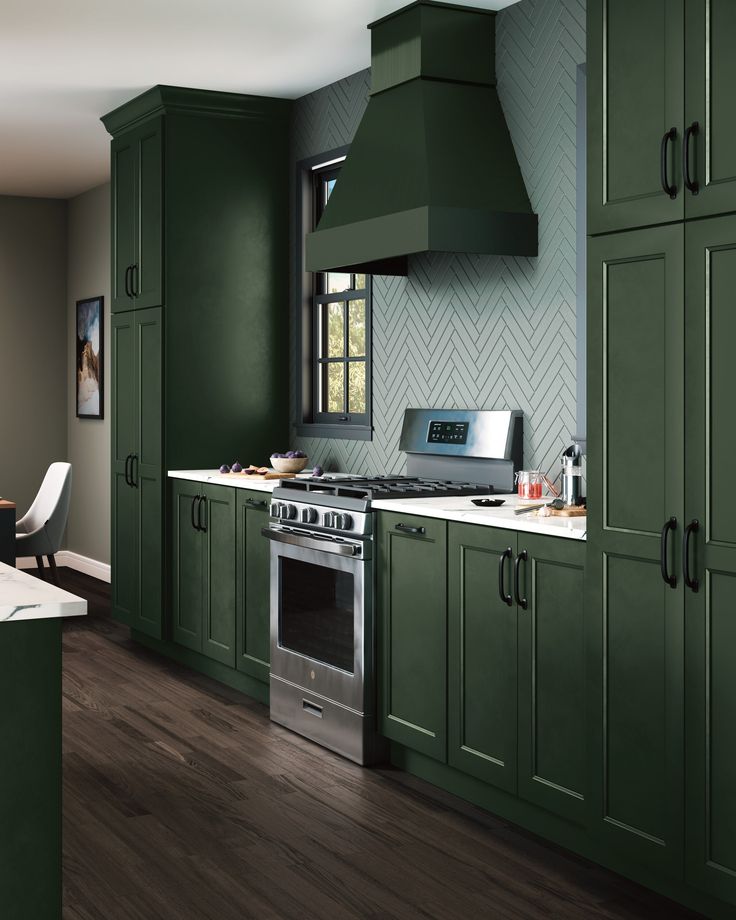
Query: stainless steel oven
x=322, y=636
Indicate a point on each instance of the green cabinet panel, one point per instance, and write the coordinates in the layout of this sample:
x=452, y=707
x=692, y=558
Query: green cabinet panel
x=636, y=620
x=710, y=28
x=253, y=585
x=552, y=735
x=187, y=565
x=482, y=665
x=635, y=95
x=412, y=627
x=218, y=545
x=711, y=610
x=137, y=185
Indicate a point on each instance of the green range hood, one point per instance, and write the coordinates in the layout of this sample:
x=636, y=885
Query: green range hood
x=432, y=167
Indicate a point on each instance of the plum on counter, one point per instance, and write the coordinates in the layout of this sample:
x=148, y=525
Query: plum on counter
x=236, y=468
x=318, y=471
x=224, y=468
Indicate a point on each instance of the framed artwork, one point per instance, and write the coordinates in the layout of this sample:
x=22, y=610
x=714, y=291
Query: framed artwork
x=90, y=358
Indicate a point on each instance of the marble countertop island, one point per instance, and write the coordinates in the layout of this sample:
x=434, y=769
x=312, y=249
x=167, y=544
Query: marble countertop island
x=24, y=597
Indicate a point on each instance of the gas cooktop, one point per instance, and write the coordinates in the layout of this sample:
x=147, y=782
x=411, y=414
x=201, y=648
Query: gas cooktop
x=332, y=491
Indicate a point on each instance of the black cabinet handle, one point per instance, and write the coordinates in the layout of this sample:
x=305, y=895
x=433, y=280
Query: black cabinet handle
x=252, y=503
x=506, y=554
x=670, y=525
x=405, y=528
x=135, y=280
x=521, y=601
x=128, y=480
x=134, y=470
x=129, y=281
x=690, y=183
x=692, y=583
x=202, y=522
x=194, y=504
x=668, y=189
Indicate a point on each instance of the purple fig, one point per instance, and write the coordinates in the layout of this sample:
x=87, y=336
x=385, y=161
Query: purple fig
x=249, y=471
x=300, y=455
x=224, y=468
x=318, y=471
x=290, y=455
x=236, y=467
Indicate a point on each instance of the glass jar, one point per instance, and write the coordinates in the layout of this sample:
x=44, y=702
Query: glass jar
x=529, y=484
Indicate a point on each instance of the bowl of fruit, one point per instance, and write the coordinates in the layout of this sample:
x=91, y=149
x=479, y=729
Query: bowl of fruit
x=293, y=461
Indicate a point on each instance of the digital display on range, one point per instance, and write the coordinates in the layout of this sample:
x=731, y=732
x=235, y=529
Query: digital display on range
x=448, y=433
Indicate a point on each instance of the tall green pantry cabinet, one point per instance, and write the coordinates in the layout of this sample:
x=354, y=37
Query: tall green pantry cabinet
x=200, y=292
x=661, y=538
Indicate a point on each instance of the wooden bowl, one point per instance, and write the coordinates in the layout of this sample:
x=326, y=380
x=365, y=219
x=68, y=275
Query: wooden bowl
x=289, y=464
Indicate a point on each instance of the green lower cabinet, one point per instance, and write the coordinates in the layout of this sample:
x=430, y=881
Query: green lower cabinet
x=218, y=594
x=253, y=585
x=412, y=631
x=482, y=664
x=187, y=561
x=552, y=735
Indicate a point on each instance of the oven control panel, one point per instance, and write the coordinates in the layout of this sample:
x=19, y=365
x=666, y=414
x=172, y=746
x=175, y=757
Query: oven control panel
x=312, y=516
x=445, y=432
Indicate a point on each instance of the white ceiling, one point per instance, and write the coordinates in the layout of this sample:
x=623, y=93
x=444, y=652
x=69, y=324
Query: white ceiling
x=63, y=65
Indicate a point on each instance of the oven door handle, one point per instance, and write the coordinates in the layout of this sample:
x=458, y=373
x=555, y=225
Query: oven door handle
x=322, y=544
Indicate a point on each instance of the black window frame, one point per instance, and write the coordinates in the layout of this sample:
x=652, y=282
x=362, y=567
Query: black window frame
x=311, y=421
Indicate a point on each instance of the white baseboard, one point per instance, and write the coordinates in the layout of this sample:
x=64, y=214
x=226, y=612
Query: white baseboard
x=75, y=561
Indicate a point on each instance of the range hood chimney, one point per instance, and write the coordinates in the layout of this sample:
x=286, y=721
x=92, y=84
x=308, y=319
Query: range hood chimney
x=432, y=167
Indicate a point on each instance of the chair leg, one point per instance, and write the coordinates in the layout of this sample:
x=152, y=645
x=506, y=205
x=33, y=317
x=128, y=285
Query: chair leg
x=39, y=563
x=54, y=573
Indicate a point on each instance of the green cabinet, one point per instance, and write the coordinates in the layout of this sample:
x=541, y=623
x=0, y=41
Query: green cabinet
x=137, y=490
x=710, y=605
x=412, y=631
x=516, y=664
x=203, y=568
x=137, y=215
x=635, y=488
x=253, y=585
x=661, y=133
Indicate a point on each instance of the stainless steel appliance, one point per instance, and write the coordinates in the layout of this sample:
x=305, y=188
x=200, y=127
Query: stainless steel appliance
x=572, y=473
x=322, y=577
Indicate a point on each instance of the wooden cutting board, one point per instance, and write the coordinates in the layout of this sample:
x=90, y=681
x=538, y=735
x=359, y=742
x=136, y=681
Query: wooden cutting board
x=568, y=512
x=257, y=477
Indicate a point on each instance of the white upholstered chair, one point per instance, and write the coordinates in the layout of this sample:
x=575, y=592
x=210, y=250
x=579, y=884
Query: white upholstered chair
x=39, y=532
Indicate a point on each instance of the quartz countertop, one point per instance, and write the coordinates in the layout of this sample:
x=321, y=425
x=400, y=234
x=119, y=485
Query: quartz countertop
x=237, y=480
x=463, y=510
x=24, y=597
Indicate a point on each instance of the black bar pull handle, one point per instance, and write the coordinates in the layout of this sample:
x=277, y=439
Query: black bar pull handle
x=134, y=470
x=405, y=528
x=202, y=519
x=691, y=184
x=521, y=601
x=135, y=284
x=128, y=479
x=692, y=583
x=668, y=189
x=194, y=505
x=506, y=554
x=670, y=525
x=252, y=503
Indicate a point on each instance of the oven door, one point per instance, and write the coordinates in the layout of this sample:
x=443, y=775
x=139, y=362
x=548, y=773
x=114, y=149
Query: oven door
x=320, y=592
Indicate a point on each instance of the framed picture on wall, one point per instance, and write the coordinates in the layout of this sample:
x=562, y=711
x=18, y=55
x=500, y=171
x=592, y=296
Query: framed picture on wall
x=90, y=358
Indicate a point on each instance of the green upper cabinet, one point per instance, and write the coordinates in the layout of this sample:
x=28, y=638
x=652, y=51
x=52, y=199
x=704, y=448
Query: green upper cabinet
x=137, y=454
x=710, y=603
x=635, y=98
x=635, y=489
x=710, y=75
x=482, y=637
x=253, y=585
x=412, y=631
x=137, y=214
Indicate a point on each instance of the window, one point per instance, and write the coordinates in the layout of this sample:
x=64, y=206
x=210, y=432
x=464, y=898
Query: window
x=335, y=329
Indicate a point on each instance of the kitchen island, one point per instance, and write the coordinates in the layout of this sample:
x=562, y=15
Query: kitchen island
x=30, y=760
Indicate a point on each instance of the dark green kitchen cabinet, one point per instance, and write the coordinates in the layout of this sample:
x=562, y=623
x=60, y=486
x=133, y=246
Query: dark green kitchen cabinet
x=710, y=515
x=203, y=569
x=253, y=585
x=516, y=664
x=137, y=480
x=636, y=390
x=137, y=215
x=412, y=631
x=636, y=74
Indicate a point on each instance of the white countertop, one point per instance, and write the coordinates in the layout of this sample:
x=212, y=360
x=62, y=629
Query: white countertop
x=448, y=509
x=463, y=510
x=23, y=597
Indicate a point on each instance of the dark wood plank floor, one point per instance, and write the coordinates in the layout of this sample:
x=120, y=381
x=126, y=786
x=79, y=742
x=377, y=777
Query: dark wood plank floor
x=182, y=801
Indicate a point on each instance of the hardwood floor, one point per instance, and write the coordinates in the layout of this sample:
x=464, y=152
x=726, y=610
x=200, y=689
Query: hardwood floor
x=182, y=801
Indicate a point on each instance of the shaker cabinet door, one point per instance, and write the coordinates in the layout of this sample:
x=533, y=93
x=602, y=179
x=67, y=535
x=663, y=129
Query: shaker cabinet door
x=635, y=113
x=253, y=584
x=124, y=165
x=218, y=513
x=187, y=563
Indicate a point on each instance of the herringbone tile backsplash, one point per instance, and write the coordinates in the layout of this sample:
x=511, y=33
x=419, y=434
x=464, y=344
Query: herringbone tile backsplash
x=474, y=331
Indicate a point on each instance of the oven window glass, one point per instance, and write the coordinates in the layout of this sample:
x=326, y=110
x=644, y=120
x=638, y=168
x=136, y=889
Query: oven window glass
x=317, y=613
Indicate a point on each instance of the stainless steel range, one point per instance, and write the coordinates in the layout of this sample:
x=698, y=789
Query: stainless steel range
x=322, y=576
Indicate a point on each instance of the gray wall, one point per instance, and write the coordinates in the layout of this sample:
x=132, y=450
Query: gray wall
x=33, y=367
x=480, y=331
x=88, y=440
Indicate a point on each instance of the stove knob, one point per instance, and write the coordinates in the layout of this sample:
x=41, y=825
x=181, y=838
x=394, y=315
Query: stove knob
x=344, y=521
x=330, y=519
x=275, y=509
x=288, y=512
x=308, y=515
